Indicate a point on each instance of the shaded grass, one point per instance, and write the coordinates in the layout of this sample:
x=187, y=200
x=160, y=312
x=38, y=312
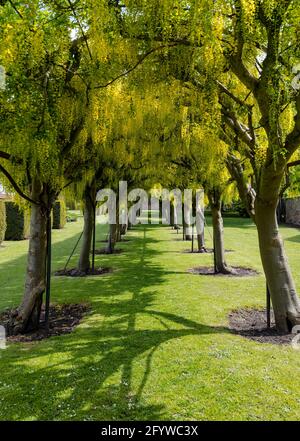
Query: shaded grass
x=156, y=344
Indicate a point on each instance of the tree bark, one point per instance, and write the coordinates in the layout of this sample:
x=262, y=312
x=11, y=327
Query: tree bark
x=172, y=214
x=286, y=304
x=200, y=231
x=84, y=264
x=28, y=314
x=218, y=230
x=176, y=220
x=186, y=226
x=123, y=230
x=112, y=239
x=114, y=233
x=245, y=189
x=201, y=243
x=118, y=233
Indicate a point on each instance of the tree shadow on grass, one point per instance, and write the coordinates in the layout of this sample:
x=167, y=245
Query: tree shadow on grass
x=238, y=222
x=91, y=374
x=295, y=239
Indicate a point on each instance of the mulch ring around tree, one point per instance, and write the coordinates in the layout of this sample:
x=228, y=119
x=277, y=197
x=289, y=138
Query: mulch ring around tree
x=206, y=251
x=63, y=319
x=75, y=272
x=236, y=271
x=121, y=241
x=251, y=323
x=105, y=252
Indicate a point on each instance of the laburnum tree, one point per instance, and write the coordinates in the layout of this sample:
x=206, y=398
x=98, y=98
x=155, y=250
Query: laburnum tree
x=139, y=119
x=260, y=103
x=44, y=131
x=60, y=56
x=209, y=154
x=246, y=53
x=203, y=156
x=58, y=59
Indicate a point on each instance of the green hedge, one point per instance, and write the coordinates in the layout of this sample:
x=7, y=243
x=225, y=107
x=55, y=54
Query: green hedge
x=59, y=215
x=2, y=221
x=18, y=222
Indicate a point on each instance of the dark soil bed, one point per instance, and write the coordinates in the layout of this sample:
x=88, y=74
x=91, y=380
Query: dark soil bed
x=121, y=241
x=74, y=272
x=208, y=251
x=236, y=272
x=104, y=251
x=252, y=324
x=63, y=319
x=196, y=251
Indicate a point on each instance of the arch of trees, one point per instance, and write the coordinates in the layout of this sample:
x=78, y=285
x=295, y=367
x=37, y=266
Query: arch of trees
x=197, y=93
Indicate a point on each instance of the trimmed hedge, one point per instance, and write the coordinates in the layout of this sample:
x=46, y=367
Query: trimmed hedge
x=2, y=221
x=18, y=222
x=59, y=215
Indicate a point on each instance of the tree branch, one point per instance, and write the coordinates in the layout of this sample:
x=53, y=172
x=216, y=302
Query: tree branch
x=293, y=139
x=75, y=133
x=232, y=96
x=240, y=129
x=81, y=28
x=246, y=191
x=16, y=187
x=5, y=155
x=293, y=164
x=156, y=49
x=15, y=9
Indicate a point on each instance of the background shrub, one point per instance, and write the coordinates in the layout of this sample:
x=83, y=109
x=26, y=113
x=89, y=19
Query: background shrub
x=59, y=215
x=17, y=221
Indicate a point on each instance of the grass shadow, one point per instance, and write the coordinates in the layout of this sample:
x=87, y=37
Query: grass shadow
x=90, y=374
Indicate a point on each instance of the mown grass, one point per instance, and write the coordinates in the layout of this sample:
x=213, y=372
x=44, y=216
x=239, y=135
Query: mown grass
x=156, y=343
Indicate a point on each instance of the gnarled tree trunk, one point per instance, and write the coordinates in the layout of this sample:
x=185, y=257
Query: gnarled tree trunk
x=28, y=314
x=262, y=208
x=286, y=304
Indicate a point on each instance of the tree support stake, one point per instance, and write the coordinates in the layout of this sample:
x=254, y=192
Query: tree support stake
x=48, y=270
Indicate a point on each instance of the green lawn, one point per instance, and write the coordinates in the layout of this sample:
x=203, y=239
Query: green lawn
x=156, y=343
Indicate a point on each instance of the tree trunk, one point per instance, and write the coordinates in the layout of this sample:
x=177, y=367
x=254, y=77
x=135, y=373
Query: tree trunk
x=188, y=234
x=111, y=239
x=201, y=243
x=186, y=226
x=118, y=233
x=160, y=212
x=84, y=264
x=286, y=304
x=263, y=207
x=123, y=230
x=172, y=214
x=215, y=199
x=28, y=315
x=200, y=231
x=218, y=229
x=176, y=220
